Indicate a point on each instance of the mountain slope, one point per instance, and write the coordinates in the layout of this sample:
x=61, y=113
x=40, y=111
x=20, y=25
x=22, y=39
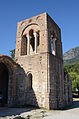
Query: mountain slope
x=71, y=56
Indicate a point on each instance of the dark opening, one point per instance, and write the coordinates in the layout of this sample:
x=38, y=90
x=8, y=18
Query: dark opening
x=29, y=81
x=24, y=45
x=38, y=38
x=3, y=84
x=53, y=44
x=32, y=39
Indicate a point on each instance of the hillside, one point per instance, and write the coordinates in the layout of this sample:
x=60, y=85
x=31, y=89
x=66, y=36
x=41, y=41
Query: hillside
x=71, y=56
x=71, y=65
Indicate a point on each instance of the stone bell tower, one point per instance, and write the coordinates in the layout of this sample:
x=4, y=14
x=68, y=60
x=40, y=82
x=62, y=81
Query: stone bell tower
x=39, y=53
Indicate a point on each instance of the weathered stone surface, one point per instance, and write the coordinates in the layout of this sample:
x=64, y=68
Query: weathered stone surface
x=38, y=71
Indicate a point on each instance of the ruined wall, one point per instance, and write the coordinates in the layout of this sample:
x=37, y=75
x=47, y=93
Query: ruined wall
x=67, y=89
x=20, y=86
x=11, y=66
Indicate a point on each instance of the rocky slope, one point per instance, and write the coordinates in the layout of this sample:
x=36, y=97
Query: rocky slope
x=71, y=56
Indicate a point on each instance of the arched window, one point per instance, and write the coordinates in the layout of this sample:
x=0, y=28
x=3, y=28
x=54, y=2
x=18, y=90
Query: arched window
x=24, y=45
x=53, y=45
x=32, y=41
x=29, y=78
x=38, y=38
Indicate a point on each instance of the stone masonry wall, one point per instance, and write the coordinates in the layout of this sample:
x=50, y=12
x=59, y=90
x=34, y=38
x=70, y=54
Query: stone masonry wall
x=56, y=83
x=67, y=89
x=37, y=66
x=46, y=69
x=39, y=22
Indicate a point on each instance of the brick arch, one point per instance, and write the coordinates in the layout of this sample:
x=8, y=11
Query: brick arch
x=25, y=49
x=32, y=24
x=7, y=61
x=11, y=66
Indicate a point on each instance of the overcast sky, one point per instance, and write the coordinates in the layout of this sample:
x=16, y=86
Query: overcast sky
x=64, y=12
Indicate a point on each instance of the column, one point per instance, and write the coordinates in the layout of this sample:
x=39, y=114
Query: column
x=35, y=36
x=28, y=42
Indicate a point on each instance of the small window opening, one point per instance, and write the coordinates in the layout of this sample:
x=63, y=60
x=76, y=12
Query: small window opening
x=32, y=40
x=53, y=47
x=38, y=38
x=29, y=81
x=24, y=45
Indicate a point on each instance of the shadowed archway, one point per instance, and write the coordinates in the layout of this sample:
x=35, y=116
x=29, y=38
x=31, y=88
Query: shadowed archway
x=8, y=69
x=4, y=83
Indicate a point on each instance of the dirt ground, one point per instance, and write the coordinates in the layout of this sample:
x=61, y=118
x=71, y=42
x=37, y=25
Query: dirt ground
x=32, y=113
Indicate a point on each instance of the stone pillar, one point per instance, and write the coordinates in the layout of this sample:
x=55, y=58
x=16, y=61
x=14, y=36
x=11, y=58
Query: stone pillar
x=28, y=42
x=35, y=35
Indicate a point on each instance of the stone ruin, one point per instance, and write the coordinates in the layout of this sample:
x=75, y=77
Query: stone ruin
x=36, y=77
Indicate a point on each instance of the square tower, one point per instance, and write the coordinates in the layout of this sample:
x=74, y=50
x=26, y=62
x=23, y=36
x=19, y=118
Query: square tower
x=39, y=53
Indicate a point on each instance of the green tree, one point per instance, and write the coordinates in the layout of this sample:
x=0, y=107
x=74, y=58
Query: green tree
x=12, y=54
x=77, y=83
x=73, y=71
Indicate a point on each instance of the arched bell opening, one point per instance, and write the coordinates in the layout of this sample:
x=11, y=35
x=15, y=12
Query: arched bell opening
x=32, y=40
